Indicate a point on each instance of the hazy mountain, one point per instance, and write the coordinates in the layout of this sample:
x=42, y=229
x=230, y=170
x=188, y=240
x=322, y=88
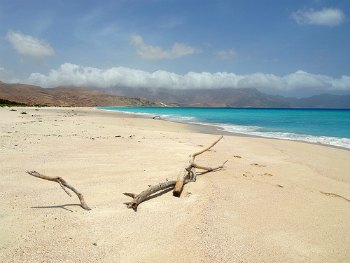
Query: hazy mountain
x=75, y=96
x=64, y=96
x=232, y=98
x=324, y=101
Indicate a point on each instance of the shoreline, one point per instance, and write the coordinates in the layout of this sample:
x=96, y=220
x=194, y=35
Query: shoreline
x=274, y=201
x=213, y=129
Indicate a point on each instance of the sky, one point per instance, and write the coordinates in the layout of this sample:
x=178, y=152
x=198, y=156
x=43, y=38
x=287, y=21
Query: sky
x=285, y=47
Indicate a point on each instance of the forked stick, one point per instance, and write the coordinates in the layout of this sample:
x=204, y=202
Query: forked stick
x=189, y=175
x=63, y=184
x=190, y=172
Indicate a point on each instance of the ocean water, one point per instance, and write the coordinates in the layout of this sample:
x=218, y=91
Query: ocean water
x=330, y=127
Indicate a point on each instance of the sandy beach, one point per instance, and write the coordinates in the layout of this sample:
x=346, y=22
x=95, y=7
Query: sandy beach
x=275, y=201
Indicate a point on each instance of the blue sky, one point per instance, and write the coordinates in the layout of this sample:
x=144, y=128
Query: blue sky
x=281, y=46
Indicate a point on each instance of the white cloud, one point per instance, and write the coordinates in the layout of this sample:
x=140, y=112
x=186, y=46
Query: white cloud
x=229, y=54
x=75, y=75
x=155, y=52
x=29, y=46
x=326, y=17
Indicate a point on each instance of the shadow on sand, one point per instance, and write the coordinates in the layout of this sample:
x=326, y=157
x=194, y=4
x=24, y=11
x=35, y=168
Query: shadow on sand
x=58, y=206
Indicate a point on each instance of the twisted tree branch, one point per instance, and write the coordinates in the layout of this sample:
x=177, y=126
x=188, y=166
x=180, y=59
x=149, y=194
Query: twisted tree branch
x=189, y=175
x=63, y=185
x=180, y=180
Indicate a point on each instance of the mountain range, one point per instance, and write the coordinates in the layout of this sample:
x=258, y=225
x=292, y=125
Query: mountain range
x=226, y=97
x=65, y=96
x=118, y=96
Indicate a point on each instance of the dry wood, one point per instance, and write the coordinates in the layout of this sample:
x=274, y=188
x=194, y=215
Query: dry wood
x=209, y=169
x=189, y=175
x=180, y=181
x=208, y=148
x=193, y=175
x=146, y=194
x=63, y=185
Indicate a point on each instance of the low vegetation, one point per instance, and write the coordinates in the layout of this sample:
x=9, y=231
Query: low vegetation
x=10, y=103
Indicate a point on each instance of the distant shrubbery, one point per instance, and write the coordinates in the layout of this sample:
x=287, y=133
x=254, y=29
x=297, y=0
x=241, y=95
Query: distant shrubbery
x=10, y=103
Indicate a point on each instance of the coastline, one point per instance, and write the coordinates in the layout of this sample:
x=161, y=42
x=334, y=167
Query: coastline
x=276, y=200
x=213, y=129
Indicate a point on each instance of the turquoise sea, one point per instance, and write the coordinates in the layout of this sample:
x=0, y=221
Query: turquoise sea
x=331, y=127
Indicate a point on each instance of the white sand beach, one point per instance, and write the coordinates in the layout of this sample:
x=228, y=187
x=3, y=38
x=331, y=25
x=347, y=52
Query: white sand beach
x=275, y=201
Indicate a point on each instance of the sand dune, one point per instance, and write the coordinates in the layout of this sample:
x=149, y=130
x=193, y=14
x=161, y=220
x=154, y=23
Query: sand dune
x=276, y=201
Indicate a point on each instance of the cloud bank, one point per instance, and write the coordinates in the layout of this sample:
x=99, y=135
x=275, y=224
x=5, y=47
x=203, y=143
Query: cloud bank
x=29, y=46
x=75, y=75
x=326, y=17
x=155, y=52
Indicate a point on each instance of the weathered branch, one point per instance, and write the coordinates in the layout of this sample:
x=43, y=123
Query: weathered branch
x=63, y=185
x=180, y=180
x=193, y=175
x=208, y=148
x=144, y=195
x=189, y=174
x=209, y=169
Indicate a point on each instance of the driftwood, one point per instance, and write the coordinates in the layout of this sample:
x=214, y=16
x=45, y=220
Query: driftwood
x=63, y=185
x=147, y=194
x=189, y=175
x=190, y=171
